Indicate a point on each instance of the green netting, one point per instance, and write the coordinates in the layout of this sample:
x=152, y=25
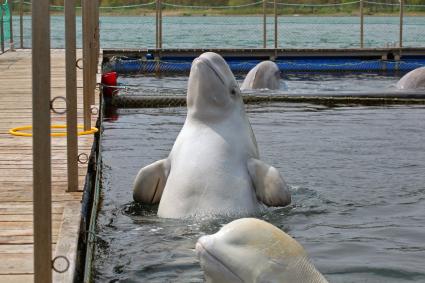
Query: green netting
x=5, y=20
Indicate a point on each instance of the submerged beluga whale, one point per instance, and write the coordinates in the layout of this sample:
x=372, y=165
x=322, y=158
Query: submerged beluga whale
x=213, y=167
x=251, y=250
x=266, y=75
x=412, y=80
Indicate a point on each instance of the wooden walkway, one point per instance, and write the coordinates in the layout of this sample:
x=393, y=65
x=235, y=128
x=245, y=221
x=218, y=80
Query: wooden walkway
x=16, y=207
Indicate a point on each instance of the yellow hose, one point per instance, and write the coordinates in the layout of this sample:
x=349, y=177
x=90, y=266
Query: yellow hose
x=17, y=131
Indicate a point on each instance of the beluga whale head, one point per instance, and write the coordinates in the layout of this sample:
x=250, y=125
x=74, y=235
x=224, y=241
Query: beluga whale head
x=252, y=250
x=213, y=92
x=266, y=75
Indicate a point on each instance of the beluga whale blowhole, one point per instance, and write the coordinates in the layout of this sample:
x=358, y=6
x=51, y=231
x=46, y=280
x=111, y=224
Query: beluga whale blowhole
x=213, y=167
x=251, y=250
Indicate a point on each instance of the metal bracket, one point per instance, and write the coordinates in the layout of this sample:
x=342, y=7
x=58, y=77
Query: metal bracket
x=94, y=110
x=52, y=102
x=83, y=158
x=78, y=61
x=67, y=264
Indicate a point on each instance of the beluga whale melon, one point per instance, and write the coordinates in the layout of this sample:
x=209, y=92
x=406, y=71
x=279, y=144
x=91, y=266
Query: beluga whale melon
x=213, y=167
x=265, y=75
x=250, y=250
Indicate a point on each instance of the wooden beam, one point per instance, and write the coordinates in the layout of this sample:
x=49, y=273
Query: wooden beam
x=71, y=95
x=41, y=142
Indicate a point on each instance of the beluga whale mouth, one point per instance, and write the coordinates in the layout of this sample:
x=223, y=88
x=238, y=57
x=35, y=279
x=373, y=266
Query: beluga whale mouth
x=203, y=60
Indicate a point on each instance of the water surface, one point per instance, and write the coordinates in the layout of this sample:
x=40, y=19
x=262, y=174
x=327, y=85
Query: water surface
x=356, y=175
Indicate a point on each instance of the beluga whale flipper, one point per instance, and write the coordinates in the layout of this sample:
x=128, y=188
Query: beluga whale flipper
x=213, y=167
x=250, y=250
x=266, y=75
x=413, y=79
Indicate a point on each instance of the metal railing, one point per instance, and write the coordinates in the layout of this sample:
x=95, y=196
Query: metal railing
x=6, y=26
x=41, y=91
x=253, y=24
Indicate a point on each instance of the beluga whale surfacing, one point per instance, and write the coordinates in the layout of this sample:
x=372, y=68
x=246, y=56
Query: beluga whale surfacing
x=213, y=167
x=414, y=79
x=265, y=75
x=250, y=250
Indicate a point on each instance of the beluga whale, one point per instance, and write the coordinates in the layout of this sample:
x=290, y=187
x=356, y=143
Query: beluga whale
x=412, y=80
x=213, y=167
x=266, y=75
x=251, y=250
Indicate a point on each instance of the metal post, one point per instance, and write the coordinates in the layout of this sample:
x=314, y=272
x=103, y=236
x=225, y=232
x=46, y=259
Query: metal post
x=1, y=31
x=160, y=24
x=157, y=25
x=87, y=91
x=71, y=95
x=361, y=24
x=264, y=24
x=400, y=41
x=93, y=49
x=275, y=24
x=12, y=45
x=42, y=191
x=21, y=24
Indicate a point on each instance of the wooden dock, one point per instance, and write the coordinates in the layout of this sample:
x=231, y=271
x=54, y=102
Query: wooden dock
x=16, y=192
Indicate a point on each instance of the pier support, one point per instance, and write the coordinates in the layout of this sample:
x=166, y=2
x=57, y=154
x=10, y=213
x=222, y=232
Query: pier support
x=71, y=95
x=361, y=24
x=400, y=39
x=42, y=194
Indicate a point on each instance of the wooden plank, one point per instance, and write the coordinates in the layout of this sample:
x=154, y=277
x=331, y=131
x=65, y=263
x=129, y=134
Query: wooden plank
x=67, y=243
x=16, y=263
x=17, y=278
x=16, y=165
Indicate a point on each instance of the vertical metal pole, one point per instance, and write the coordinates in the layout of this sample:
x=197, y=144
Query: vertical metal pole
x=157, y=25
x=93, y=49
x=71, y=95
x=160, y=24
x=1, y=30
x=21, y=24
x=87, y=91
x=275, y=24
x=400, y=44
x=361, y=24
x=97, y=19
x=42, y=191
x=12, y=45
x=264, y=24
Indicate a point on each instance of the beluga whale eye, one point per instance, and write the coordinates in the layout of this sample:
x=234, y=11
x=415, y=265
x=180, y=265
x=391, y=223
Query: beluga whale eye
x=234, y=90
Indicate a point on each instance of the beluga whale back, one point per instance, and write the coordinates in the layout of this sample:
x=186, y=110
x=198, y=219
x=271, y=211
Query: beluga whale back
x=412, y=80
x=251, y=250
x=213, y=167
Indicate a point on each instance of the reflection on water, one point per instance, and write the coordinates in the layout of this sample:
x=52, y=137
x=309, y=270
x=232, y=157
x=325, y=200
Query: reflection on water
x=356, y=175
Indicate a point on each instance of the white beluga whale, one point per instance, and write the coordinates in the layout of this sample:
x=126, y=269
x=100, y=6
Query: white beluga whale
x=251, y=250
x=213, y=167
x=412, y=80
x=266, y=75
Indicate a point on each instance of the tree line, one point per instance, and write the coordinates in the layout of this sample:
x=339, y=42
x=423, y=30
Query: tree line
x=236, y=2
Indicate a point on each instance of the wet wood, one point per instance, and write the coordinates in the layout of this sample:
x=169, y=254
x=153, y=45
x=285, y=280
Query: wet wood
x=16, y=165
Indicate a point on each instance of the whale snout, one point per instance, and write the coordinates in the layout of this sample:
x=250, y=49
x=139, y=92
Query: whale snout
x=202, y=245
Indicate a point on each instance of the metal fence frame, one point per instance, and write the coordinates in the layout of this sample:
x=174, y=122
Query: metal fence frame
x=271, y=10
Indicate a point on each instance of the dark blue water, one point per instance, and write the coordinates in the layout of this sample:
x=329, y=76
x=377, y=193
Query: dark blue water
x=356, y=175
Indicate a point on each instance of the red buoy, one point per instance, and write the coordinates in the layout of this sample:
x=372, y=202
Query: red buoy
x=109, y=79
